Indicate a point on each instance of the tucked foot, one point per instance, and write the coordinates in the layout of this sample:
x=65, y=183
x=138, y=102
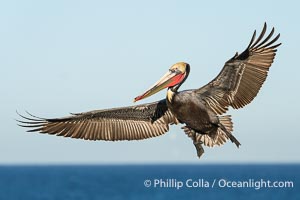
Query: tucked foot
x=199, y=148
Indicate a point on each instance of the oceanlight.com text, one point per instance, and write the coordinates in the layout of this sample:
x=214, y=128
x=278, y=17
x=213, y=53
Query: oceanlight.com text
x=256, y=184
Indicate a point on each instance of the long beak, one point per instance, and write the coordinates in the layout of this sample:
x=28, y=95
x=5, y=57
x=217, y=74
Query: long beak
x=166, y=81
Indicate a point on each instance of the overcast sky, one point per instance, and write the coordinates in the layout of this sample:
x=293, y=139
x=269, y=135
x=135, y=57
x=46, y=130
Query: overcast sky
x=59, y=56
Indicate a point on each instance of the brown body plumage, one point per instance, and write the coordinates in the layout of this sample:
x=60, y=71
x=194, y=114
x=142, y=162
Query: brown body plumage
x=236, y=85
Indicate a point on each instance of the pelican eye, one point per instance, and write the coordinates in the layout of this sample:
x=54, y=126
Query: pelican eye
x=173, y=70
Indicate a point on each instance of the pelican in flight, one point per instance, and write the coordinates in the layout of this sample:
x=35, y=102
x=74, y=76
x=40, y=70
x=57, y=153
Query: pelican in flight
x=201, y=111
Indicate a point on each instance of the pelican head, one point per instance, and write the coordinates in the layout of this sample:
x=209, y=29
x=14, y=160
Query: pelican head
x=172, y=79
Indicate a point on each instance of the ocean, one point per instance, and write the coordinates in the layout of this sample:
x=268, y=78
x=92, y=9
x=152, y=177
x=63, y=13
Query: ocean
x=139, y=182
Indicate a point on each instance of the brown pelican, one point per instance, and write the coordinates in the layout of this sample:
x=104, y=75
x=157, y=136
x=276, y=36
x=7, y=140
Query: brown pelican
x=200, y=110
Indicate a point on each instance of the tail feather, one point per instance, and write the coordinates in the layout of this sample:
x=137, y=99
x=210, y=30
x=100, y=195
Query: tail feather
x=225, y=129
x=216, y=136
x=227, y=122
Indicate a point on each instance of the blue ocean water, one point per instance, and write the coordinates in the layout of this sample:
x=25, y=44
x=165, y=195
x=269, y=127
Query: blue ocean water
x=138, y=182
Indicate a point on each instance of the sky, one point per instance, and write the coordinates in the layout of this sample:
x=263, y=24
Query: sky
x=58, y=57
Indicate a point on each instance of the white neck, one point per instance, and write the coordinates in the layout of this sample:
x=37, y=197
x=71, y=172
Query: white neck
x=170, y=95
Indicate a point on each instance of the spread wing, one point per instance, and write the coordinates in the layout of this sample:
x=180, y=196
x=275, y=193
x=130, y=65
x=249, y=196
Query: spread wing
x=127, y=123
x=242, y=76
